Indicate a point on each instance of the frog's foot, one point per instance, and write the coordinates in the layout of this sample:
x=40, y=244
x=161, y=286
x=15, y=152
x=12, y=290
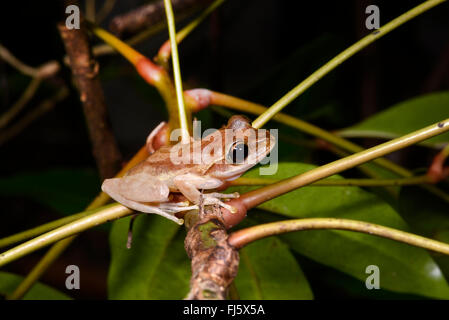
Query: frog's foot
x=177, y=207
x=209, y=199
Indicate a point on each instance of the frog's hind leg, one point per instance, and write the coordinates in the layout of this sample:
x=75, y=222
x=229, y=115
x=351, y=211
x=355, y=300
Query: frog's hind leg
x=112, y=188
x=148, y=209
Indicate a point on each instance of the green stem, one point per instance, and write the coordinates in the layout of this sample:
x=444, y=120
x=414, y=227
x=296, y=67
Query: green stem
x=57, y=249
x=215, y=98
x=7, y=56
x=424, y=179
x=90, y=10
x=177, y=72
x=340, y=58
x=256, y=197
x=92, y=219
x=243, y=237
x=28, y=234
x=25, y=235
x=164, y=52
x=249, y=200
x=18, y=106
x=40, y=268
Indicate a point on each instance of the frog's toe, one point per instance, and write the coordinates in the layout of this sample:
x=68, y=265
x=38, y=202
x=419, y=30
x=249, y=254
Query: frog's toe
x=224, y=195
x=209, y=200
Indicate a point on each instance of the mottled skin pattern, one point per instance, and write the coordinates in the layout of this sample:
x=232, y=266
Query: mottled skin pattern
x=148, y=185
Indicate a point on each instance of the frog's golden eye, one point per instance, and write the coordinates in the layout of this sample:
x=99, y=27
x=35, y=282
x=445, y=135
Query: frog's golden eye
x=238, y=153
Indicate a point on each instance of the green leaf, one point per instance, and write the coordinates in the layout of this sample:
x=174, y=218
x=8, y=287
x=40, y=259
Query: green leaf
x=405, y=117
x=10, y=281
x=403, y=268
x=268, y=271
x=156, y=267
x=65, y=190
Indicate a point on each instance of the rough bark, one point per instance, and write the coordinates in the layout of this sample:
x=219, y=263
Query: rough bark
x=150, y=14
x=85, y=73
x=214, y=262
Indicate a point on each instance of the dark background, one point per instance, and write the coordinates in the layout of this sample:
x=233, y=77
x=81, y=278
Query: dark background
x=251, y=49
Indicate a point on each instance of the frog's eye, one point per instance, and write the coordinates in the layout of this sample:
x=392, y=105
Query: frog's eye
x=237, y=153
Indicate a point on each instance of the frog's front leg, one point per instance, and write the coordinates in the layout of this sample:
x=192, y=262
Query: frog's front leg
x=189, y=185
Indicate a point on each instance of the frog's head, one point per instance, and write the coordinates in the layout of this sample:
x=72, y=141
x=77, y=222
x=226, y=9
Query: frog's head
x=242, y=148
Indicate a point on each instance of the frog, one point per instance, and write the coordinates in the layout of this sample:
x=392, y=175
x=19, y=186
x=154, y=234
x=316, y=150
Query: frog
x=152, y=185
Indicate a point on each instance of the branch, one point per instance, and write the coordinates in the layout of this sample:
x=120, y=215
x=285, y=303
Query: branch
x=243, y=237
x=256, y=197
x=42, y=108
x=424, y=179
x=198, y=99
x=153, y=74
x=150, y=14
x=94, y=218
x=340, y=58
x=177, y=73
x=18, y=106
x=214, y=261
x=242, y=204
x=85, y=71
x=165, y=50
x=46, y=70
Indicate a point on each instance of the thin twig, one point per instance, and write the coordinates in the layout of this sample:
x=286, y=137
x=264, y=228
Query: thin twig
x=44, y=107
x=149, y=15
x=165, y=50
x=7, y=56
x=245, y=236
x=177, y=72
x=46, y=70
x=340, y=58
x=90, y=10
x=246, y=201
x=97, y=217
x=197, y=99
x=57, y=249
x=107, y=7
x=418, y=180
x=18, y=106
x=256, y=197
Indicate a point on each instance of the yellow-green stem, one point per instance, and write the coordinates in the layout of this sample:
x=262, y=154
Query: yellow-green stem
x=340, y=58
x=256, y=197
x=94, y=218
x=243, y=237
x=28, y=234
x=177, y=72
x=18, y=106
x=57, y=249
x=164, y=52
x=234, y=103
x=424, y=179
